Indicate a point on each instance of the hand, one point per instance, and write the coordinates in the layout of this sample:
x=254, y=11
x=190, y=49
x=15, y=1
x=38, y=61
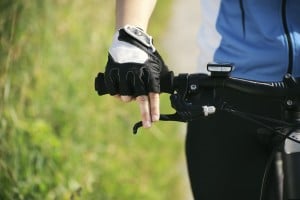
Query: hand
x=133, y=71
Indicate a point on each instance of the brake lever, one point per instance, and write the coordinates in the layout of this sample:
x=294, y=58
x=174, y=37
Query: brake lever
x=180, y=100
x=162, y=117
x=185, y=116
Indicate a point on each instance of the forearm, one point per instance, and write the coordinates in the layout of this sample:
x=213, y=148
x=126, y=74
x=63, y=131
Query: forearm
x=134, y=12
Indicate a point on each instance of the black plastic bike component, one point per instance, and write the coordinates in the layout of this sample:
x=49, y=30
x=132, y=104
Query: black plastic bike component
x=291, y=151
x=186, y=110
x=291, y=175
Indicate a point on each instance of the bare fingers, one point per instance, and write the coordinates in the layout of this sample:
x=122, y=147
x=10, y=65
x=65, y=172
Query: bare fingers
x=149, y=108
x=148, y=105
x=125, y=99
x=154, y=106
x=144, y=105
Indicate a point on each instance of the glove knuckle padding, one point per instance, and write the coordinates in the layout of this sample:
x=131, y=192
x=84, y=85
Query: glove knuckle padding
x=112, y=80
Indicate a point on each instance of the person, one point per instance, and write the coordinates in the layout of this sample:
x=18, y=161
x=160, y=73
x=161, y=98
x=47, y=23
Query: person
x=225, y=156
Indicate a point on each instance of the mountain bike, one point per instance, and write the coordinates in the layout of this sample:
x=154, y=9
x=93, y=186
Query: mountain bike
x=285, y=132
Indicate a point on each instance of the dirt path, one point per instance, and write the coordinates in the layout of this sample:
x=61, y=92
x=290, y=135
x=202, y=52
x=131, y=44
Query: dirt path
x=180, y=43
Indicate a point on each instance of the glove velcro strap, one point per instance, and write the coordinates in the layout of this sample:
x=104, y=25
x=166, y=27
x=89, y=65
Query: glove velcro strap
x=137, y=37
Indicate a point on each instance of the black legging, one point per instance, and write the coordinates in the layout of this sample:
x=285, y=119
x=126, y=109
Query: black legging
x=225, y=158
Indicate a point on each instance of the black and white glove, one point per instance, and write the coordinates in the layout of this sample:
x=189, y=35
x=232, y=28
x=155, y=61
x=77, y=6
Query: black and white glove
x=134, y=66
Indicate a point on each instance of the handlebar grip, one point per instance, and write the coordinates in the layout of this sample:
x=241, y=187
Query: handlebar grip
x=166, y=83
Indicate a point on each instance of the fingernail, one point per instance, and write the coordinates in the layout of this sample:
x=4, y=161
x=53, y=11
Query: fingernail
x=155, y=118
x=147, y=124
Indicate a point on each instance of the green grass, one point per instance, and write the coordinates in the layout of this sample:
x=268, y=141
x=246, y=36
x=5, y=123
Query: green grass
x=58, y=139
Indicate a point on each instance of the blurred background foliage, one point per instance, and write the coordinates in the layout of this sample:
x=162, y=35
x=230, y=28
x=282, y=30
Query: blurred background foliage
x=58, y=139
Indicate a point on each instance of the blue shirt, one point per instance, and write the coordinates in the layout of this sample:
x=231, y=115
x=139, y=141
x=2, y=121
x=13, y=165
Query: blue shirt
x=260, y=37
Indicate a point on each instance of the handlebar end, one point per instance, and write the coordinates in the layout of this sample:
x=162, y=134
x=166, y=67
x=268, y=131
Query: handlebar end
x=100, y=85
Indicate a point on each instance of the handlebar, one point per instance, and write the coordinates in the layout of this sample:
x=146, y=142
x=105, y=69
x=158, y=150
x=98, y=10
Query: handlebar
x=289, y=87
x=181, y=86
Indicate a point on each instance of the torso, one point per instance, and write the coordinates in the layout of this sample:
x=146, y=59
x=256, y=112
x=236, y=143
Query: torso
x=254, y=37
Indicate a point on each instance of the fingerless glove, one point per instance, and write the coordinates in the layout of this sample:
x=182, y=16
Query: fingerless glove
x=134, y=66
